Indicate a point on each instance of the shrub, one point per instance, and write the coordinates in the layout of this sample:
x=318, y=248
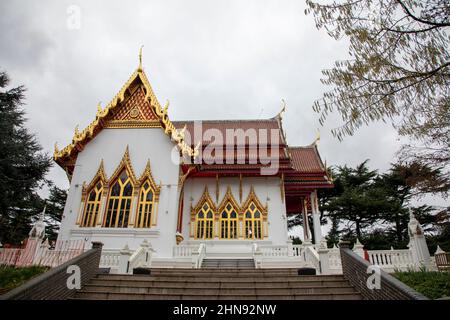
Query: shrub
x=11, y=277
x=433, y=285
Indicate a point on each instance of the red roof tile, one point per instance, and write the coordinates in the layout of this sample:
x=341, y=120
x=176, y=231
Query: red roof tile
x=306, y=159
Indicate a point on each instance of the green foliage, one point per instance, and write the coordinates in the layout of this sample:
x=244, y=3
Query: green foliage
x=358, y=204
x=23, y=167
x=54, y=210
x=11, y=277
x=398, y=70
x=433, y=285
x=374, y=207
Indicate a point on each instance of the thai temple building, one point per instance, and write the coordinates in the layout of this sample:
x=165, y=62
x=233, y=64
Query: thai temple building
x=137, y=176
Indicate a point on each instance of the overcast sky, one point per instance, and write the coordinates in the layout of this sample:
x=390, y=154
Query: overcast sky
x=211, y=59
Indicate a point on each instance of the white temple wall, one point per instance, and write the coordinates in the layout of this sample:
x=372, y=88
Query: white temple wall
x=266, y=188
x=110, y=144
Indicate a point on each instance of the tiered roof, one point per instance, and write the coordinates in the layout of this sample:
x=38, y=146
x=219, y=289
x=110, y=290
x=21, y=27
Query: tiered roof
x=136, y=106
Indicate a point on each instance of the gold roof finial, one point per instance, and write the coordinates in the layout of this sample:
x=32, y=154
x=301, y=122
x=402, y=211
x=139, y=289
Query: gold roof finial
x=56, y=147
x=140, y=59
x=316, y=141
x=283, y=109
x=76, y=130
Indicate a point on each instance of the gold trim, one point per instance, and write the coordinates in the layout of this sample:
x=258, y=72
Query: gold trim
x=282, y=188
x=147, y=174
x=130, y=124
x=240, y=188
x=228, y=198
x=253, y=197
x=205, y=197
x=126, y=164
x=217, y=188
x=169, y=128
x=100, y=174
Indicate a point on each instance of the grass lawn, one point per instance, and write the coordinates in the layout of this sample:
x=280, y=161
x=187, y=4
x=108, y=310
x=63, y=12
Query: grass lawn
x=433, y=285
x=11, y=277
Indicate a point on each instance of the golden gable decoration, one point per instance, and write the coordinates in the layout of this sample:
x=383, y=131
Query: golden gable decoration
x=136, y=93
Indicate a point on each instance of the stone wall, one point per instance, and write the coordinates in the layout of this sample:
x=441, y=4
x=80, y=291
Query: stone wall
x=355, y=270
x=52, y=285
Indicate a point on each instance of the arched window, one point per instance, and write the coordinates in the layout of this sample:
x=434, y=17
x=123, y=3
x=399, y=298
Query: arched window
x=255, y=217
x=92, y=207
x=253, y=222
x=204, y=222
x=228, y=222
x=119, y=202
x=146, y=206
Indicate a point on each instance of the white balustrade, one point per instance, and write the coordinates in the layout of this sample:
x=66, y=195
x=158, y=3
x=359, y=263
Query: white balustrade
x=312, y=257
x=274, y=251
x=110, y=259
x=297, y=250
x=391, y=259
x=186, y=251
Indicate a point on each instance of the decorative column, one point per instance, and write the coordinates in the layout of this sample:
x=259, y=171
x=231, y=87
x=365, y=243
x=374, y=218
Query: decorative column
x=316, y=217
x=103, y=205
x=125, y=255
x=306, y=234
x=133, y=208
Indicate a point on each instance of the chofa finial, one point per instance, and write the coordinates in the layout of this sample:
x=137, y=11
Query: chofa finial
x=316, y=141
x=283, y=109
x=140, y=59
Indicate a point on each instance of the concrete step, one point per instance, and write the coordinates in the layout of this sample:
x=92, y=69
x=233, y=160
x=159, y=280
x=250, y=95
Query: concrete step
x=218, y=277
x=222, y=283
x=112, y=288
x=293, y=271
x=228, y=263
x=92, y=295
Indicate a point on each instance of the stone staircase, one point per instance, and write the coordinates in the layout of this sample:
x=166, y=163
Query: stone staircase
x=218, y=284
x=228, y=263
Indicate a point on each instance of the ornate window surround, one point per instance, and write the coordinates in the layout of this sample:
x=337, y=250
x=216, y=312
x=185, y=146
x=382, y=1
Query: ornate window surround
x=205, y=198
x=125, y=164
x=229, y=198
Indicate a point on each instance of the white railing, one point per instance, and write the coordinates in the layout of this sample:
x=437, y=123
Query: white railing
x=334, y=258
x=37, y=252
x=312, y=257
x=297, y=250
x=201, y=254
x=392, y=259
x=110, y=259
x=141, y=258
x=274, y=251
x=186, y=251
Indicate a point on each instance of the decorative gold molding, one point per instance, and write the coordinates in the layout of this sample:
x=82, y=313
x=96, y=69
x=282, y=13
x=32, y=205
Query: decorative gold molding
x=126, y=164
x=240, y=188
x=147, y=175
x=205, y=197
x=282, y=188
x=88, y=133
x=228, y=198
x=253, y=197
x=217, y=188
x=100, y=175
x=127, y=124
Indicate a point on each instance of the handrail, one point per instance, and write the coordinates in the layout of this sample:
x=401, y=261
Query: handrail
x=311, y=256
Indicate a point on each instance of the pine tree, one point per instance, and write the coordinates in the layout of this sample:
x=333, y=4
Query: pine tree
x=23, y=166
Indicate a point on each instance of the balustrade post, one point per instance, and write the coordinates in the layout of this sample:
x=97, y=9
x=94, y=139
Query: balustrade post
x=358, y=248
x=124, y=259
x=324, y=258
x=290, y=248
